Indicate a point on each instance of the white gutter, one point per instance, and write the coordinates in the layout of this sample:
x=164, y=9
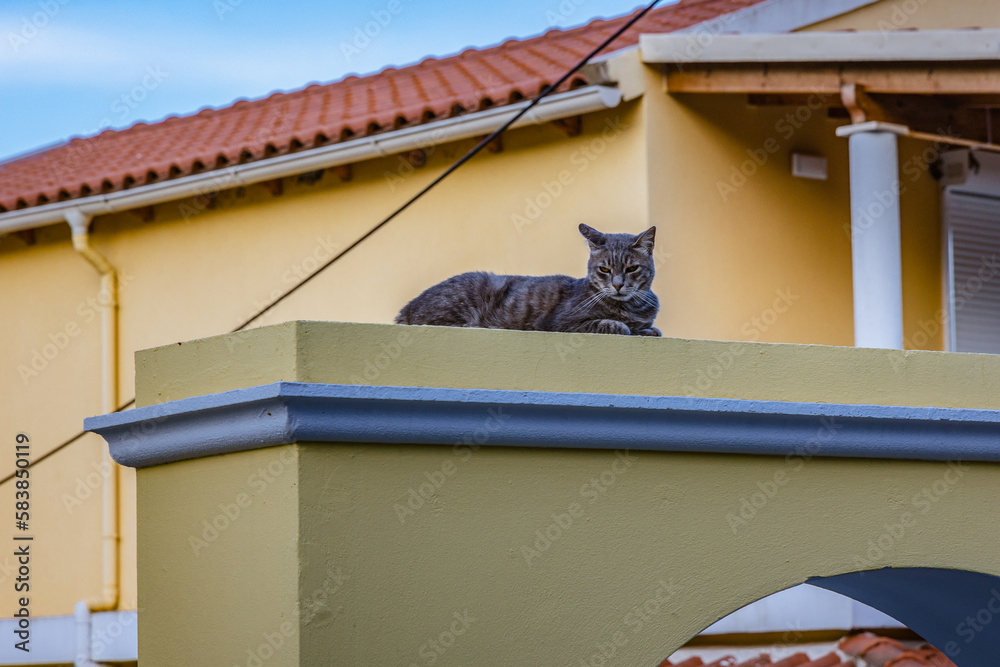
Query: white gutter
x=79, y=222
x=562, y=105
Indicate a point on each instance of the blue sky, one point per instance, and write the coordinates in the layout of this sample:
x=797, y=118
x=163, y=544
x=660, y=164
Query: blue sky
x=74, y=67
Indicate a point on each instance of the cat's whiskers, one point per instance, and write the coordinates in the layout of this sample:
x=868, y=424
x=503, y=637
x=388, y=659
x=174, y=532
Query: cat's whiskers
x=644, y=297
x=589, y=302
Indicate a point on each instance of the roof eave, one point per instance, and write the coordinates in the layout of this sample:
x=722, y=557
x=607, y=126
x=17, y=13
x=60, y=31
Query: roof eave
x=584, y=100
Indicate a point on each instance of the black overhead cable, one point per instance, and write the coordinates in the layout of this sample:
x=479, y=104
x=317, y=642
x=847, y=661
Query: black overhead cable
x=462, y=160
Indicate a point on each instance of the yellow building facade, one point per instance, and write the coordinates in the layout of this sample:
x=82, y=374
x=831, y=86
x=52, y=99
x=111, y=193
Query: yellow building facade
x=745, y=252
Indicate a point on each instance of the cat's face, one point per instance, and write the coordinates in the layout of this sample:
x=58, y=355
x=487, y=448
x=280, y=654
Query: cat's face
x=620, y=265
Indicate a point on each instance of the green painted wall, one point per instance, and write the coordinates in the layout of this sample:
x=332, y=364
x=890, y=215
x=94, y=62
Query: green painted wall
x=400, y=554
x=380, y=354
x=549, y=557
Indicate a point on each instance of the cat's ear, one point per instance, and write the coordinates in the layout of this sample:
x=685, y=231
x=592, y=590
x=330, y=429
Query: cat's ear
x=645, y=240
x=594, y=237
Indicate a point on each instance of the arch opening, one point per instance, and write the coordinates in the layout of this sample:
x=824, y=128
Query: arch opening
x=955, y=611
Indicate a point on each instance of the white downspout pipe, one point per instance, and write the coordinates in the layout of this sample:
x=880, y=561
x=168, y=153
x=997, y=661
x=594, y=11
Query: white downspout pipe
x=875, y=238
x=79, y=222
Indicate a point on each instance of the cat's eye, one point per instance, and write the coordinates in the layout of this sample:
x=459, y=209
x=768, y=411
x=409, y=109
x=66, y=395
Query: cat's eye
x=631, y=269
x=603, y=269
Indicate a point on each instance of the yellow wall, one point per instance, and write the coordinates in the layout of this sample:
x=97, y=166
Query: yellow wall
x=919, y=14
x=757, y=254
x=195, y=272
x=376, y=586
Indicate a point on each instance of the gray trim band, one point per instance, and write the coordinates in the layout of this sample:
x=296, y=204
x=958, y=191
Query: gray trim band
x=286, y=412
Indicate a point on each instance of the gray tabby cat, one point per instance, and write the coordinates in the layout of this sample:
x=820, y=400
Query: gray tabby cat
x=614, y=298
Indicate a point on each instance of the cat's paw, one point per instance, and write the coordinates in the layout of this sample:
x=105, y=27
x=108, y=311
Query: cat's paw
x=651, y=331
x=612, y=327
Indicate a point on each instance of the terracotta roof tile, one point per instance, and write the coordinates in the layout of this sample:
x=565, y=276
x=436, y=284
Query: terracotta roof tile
x=882, y=652
x=873, y=650
x=307, y=118
x=764, y=660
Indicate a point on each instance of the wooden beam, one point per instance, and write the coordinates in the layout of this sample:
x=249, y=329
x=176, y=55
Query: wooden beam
x=572, y=126
x=276, y=187
x=144, y=213
x=344, y=172
x=793, y=78
x=417, y=158
x=312, y=177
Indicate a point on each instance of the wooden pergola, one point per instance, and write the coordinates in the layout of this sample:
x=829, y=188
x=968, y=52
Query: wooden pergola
x=928, y=81
x=936, y=85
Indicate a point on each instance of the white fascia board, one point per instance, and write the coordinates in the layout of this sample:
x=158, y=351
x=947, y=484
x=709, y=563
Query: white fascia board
x=917, y=46
x=774, y=16
x=114, y=638
x=768, y=17
x=624, y=66
x=561, y=105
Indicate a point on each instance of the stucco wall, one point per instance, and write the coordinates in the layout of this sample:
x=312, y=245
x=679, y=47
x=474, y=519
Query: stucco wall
x=647, y=548
x=920, y=14
x=757, y=254
x=197, y=271
x=771, y=262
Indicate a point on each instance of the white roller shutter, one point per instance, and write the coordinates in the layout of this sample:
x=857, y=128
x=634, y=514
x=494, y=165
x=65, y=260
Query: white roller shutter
x=972, y=225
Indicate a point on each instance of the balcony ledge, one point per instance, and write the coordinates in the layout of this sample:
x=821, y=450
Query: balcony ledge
x=287, y=412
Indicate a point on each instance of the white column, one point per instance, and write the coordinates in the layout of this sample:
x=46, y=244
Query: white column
x=875, y=246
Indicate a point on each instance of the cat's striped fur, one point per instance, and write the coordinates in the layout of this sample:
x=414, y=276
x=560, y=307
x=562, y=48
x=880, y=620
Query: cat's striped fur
x=615, y=296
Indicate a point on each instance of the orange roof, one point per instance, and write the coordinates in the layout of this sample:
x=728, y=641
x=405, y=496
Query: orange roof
x=324, y=114
x=884, y=652
x=797, y=660
x=873, y=650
